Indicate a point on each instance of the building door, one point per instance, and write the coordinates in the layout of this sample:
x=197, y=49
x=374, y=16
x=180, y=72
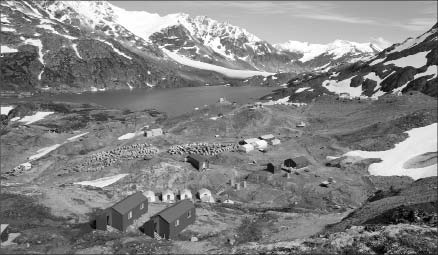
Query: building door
x=107, y=220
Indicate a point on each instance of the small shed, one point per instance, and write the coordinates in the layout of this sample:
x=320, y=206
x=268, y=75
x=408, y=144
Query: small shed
x=171, y=221
x=153, y=132
x=185, y=194
x=273, y=168
x=301, y=124
x=246, y=147
x=150, y=195
x=296, y=162
x=199, y=162
x=168, y=196
x=250, y=141
x=275, y=141
x=123, y=214
x=4, y=232
x=267, y=137
x=205, y=195
x=344, y=95
x=260, y=144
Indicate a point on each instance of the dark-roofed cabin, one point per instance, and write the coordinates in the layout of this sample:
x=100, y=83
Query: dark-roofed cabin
x=273, y=168
x=123, y=214
x=199, y=162
x=297, y=162
x=4, y=232
x=171, y=221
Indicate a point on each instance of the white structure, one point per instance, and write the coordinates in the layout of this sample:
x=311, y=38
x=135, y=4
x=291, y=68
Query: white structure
x=260, y=144
x=251, y=140
x=344, y=95
x=301, y=124
x=275, y=141
x=246, y=147
x=185, y=194
x=150, y=195
x=267, y=137
x=168, y=196
x=154, y=132
x=205, y=195
x=228, y=201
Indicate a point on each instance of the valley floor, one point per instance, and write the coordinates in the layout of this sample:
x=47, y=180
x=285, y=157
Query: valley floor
x=52, y=213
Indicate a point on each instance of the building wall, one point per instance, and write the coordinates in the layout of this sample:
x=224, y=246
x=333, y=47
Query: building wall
x=117, y=220
x=136, y=213
x=183, y=223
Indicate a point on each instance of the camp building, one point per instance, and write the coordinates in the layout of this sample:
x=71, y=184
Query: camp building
x=296, y=162
x=123, y=214
x=170, y=221
x=198, y=161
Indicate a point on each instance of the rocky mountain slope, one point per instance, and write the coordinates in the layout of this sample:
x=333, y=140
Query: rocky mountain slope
x=402, y=67
x=76, y=46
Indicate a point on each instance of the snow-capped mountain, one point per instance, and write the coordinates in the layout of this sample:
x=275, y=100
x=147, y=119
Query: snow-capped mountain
x=92, y=45
x=324, y=56
x=408, y=66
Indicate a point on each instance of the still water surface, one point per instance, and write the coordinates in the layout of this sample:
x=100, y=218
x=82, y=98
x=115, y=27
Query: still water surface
x=172, y=101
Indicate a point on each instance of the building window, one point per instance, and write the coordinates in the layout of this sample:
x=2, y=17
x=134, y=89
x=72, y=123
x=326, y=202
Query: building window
x=129, y=215
x=189, y=214
x=176, y=223
x=141, y=206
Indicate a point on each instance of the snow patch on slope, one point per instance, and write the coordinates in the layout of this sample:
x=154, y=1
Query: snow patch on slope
x=420, y=141
x=102, y=182
x=232, y=73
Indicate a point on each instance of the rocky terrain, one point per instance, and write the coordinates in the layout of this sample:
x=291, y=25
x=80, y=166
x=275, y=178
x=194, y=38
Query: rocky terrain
x=274, y=213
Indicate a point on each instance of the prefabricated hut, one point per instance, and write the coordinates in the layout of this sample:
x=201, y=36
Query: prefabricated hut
x=171, y=221
x=123, y=214
x=153, y=132
x=205, y=195
x=185, y=194
x=168, y=196
x=275, y=141
x=296, y=162
x=273, y=168
x=246, y=147
x=199, y=162
x=260, y=144
x=150, y=195
x=250, y=141
x=268, y=137
x=4, y=232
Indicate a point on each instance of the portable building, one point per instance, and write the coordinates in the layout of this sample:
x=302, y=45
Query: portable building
x=169, y=222
x=199, y=162
x=168, y=196
x=123, y=214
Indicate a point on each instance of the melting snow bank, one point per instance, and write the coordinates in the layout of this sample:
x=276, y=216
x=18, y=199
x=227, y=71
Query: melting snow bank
x=76, y=136
x=34, y=118
x=284, y=101
x=102, y=182
x=42, y=152
x=4, y=110
x=420, y=141
x=232, y=73
x=129, y=136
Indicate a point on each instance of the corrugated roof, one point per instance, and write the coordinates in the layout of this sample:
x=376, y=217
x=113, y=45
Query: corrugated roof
x=173, y=212
x=129, y=203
